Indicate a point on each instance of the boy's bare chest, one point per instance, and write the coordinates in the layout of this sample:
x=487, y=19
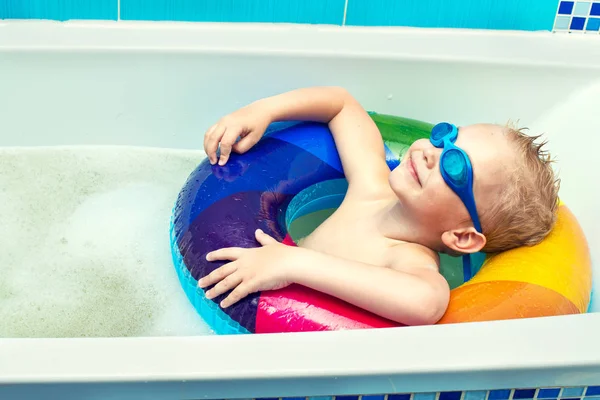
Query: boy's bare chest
x=351, y=233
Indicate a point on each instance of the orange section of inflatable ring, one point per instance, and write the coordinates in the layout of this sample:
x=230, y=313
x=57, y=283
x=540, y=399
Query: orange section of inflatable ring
x=492, y=301
x=553, y=277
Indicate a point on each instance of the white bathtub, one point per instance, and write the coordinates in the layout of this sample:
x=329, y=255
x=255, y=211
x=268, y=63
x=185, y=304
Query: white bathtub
x=162, y=84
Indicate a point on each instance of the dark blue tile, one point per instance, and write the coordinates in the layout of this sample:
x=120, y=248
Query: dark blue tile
x=346, y=397
x=404, y=396
x=577, y=23
x=593, y=390
x=551, y=393
x=524, y=394
x=565, y=7
x=60, y=10
x=290, y=11
x=500, y=394
x=593, y=24
x=373, y=397
x=294, y=398
x=595, y=11
x=450, y=395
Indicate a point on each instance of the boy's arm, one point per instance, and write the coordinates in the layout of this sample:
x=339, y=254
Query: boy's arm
x=357, y=138
x=409, y=291
x=418, y=297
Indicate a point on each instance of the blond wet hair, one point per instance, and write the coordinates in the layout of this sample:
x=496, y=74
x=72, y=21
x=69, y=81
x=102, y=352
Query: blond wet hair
x=525, y=211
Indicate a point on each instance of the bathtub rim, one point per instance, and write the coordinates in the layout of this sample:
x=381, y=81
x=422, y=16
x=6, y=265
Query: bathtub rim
x=287, y=40
x=557, y=351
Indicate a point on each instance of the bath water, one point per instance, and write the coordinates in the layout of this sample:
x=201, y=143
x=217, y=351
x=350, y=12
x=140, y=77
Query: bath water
x=84, y=242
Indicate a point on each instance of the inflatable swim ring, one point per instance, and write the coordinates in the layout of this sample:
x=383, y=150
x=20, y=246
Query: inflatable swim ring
x=290, y=182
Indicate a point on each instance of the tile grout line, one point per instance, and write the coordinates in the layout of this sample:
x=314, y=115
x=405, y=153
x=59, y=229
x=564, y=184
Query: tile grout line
x=118, y=10
x=345, y=12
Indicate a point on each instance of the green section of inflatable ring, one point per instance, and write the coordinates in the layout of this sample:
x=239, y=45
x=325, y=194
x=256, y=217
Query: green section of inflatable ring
x=399, y=133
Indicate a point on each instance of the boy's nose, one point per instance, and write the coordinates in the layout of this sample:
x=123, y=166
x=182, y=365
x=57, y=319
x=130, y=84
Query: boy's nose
x=431, y=155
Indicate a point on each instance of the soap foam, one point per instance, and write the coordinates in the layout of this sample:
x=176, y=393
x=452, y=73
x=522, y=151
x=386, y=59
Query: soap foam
x=84, y=243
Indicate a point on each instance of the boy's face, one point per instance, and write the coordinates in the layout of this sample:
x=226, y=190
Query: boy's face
x=421, y=189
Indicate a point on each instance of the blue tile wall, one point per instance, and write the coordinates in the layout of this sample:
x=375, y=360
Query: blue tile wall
x=570, y=16
x=548, y=393
x=60, y=10
x=484, y=14
x=292, y=11
x=578, y=17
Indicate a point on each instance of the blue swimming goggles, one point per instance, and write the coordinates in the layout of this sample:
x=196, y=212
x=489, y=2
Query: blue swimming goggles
x=458, y=174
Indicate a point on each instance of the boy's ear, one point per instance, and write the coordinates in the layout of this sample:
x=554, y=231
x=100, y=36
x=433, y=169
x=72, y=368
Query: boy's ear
x=464, y=240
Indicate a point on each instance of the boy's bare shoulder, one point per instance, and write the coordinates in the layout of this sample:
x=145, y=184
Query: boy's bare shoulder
x=413, y=258
x=419, y=261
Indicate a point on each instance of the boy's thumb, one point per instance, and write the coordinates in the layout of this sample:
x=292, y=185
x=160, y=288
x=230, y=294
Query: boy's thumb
x=263, y=238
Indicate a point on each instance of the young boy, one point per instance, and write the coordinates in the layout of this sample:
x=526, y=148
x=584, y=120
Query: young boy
x=379, y=250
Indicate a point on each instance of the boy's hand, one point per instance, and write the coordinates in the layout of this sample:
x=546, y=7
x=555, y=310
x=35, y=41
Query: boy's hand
x=248, y=123
x=251, y=270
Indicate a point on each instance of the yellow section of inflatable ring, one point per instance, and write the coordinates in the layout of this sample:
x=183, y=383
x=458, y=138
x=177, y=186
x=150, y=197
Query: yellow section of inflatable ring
x=561, y=262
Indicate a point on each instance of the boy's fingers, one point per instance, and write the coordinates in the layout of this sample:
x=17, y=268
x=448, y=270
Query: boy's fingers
x=208, y=133
x=227, y=142
x=241, y=291
x=217, y=275
x=244, y=144
x=228, y=253
x=229, y=282
x=212, y=143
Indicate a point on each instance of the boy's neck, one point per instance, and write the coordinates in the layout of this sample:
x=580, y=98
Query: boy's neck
x=395, y=222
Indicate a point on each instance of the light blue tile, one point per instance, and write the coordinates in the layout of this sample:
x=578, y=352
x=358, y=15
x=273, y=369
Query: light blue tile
x=424, y=396
x=593, y=24
x=571, y=392
x=582, y=8
x=475, y=395
x=484, y=14
x=60, y=10
x=291, y=11
x=562, y=23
